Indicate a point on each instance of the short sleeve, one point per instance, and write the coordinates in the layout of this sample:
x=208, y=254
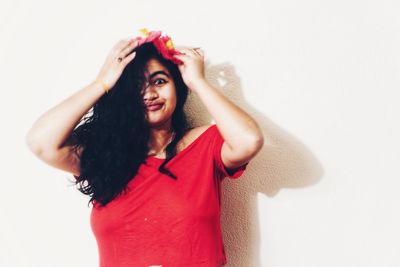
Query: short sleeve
x=221, y=170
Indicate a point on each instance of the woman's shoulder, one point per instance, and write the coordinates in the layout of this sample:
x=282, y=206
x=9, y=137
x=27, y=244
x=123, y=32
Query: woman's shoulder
x=192, y=134
x=197, y=131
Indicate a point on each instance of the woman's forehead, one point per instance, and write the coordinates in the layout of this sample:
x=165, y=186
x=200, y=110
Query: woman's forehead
x=154, y=67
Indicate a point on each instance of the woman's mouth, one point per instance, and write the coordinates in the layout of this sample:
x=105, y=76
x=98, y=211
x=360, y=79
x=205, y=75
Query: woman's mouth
x=154, y=107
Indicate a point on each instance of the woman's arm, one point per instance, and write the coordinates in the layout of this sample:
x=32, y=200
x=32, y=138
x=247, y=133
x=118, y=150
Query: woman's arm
x=53, y=128
x=237, y=127
x=49, y=133
x=243, y=138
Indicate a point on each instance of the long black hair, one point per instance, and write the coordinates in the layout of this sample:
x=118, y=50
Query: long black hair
x=114, y=137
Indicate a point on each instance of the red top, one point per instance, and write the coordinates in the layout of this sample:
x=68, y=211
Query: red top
x=167, y=222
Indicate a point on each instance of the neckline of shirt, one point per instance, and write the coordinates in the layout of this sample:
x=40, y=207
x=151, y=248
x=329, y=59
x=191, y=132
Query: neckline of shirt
x=186, y=148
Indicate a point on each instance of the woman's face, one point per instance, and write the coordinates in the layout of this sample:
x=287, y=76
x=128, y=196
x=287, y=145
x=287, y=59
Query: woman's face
x=160, y=88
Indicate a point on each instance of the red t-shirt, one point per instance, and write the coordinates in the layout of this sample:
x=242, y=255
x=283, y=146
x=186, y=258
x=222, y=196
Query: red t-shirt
x=167, y=222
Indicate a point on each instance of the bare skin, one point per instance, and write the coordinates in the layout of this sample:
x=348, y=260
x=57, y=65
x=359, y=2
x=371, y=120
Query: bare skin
x=48, y=136
x=160, y=88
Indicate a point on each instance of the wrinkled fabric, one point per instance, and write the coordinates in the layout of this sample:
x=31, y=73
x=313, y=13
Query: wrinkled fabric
x=165, y=222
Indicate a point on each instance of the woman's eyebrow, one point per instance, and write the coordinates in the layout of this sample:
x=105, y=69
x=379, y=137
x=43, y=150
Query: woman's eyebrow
x=158, y=72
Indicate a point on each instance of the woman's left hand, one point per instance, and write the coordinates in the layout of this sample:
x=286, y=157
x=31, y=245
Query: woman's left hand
x=192, y=68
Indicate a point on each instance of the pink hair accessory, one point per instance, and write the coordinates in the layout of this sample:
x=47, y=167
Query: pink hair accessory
x=163, y=44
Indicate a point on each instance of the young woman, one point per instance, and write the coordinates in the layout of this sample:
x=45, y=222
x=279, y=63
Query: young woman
x=154, y=182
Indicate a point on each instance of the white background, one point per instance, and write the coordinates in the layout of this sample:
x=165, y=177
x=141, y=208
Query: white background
x=320, y=77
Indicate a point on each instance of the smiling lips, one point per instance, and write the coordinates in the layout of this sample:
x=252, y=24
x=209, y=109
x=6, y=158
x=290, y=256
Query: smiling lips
x=154, y=107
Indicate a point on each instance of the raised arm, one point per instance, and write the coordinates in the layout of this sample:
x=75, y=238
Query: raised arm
x=51, y=130
x=48, y=135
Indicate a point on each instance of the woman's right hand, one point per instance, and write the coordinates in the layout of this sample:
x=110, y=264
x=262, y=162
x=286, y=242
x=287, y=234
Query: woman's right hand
x=112, y=68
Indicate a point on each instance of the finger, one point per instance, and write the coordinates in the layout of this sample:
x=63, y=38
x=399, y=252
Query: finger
x=118, y=47
x=128, y=48
x=187, y=51
x=198, y=49
x=182, y=57
x=128, y=59
x=193, y=51
x=119, y=43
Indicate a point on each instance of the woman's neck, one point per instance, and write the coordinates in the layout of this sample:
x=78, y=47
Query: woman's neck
x=159, y=140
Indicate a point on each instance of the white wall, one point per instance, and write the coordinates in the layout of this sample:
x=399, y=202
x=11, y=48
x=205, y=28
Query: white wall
x=320, y=77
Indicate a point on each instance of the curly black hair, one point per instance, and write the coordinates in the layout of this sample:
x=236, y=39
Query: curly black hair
x=114, y=134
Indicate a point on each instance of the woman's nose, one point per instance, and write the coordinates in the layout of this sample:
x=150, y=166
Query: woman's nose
x=150, y=95
x=150, y=92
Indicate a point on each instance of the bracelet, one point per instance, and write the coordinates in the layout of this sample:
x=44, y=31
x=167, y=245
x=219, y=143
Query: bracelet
x=105, y=86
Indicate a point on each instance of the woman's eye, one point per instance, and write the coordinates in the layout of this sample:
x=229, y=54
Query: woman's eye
x=163, y=81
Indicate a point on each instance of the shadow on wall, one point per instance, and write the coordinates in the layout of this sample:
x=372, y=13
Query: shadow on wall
x=284, y=162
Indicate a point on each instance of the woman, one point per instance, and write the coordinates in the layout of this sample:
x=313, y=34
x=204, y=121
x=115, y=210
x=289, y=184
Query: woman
x=155, y=183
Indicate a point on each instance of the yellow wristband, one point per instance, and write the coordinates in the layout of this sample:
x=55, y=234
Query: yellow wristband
x=105, y=86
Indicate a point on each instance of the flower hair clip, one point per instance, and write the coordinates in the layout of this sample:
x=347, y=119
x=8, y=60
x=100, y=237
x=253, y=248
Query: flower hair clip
x=163, y=44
